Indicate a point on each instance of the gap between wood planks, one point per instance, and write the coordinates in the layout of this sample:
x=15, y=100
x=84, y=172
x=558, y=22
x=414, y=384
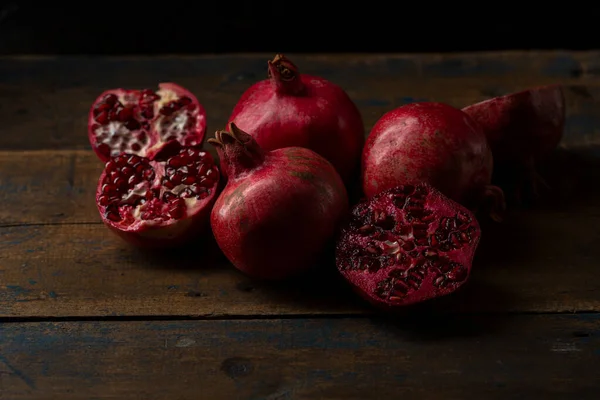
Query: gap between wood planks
x=209, y=317
x=28, y=224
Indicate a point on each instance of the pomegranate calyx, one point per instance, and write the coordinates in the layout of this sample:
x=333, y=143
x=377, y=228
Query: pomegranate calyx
x=238, y=151
x=285, y=76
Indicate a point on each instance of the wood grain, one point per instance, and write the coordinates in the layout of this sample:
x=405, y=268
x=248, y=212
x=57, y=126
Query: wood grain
x=537, y=261
x=515, y=357
x=44, y=101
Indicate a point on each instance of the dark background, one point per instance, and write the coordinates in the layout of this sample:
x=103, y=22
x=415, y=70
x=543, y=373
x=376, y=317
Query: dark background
x=169, y=27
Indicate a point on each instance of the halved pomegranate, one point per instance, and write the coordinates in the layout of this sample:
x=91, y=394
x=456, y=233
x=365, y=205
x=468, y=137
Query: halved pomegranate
x=162, y=202
x=406, y=245
x=141, y=121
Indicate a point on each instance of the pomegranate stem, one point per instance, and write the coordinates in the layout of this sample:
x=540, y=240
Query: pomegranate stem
x=285, y=76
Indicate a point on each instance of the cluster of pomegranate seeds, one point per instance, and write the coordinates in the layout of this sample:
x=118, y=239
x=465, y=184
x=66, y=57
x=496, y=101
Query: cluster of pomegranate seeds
x=407, y=237
x=176, y=119
x=114, y=121
x=133, y=121
x=191, y=173
x=135, y=188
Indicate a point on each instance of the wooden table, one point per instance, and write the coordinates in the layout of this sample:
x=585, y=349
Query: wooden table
x=84, y=316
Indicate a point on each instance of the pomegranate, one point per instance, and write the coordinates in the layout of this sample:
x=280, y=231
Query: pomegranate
x=162, y=202
x=141, y=121
x=279, y=209
x=406, y=245
x=433, y=143
x=523, y=128
x=291, y=109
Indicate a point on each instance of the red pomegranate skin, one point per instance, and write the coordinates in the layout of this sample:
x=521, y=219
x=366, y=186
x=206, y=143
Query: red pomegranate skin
x=302, y=111
x=279, y=209
x=522, y=127
x=428, y=142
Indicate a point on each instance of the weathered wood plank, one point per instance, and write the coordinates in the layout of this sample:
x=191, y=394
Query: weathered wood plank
x=515, y=357
x=83, y=270
x=44, y=101
x=537, y=261
x=48, y=187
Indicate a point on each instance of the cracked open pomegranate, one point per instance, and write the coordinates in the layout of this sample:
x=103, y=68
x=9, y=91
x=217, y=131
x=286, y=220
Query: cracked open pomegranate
x=406, y=245
x=433, y=143
x=158, y=203
x=279, y=209
x=141, y=121
x=291, y=109
x=522, y=128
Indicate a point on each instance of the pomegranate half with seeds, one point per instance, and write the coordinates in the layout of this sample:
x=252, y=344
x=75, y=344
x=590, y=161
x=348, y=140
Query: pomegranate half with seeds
x=407, y=245
x=162, y=202
x=141, y=121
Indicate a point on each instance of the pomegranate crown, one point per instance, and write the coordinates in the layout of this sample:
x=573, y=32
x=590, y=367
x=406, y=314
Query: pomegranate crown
x=284, y=75
x=231, y=135
x=282, y=68
x=238, y=151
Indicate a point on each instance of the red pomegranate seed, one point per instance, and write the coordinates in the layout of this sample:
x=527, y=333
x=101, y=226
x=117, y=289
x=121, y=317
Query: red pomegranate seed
x=127, y=170
x=134, y=180
x=120, y=182
x=168, y=184
x=205, y=182
x=211, y=175
x=112, y=213
x=111, y=99
x=103, y=106
x=104, y=149
x=167, y=110
x=112, y=115
x=177, y=178
x=177, y=208
x=149, y=174
x=102, y=118
x=175, y=162
x=148, y=96
x=148, y=113
x=122, y=160
x=141, y=136
x=203, y=170
x=109, y=189
x=125, y=114
x=132, y=125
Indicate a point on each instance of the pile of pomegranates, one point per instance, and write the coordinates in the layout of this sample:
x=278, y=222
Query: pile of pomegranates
x=293, y=144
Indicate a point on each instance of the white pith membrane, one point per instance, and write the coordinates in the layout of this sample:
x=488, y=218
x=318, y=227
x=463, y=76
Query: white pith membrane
x=158, y=193
x=399, y=246
x=144, y=132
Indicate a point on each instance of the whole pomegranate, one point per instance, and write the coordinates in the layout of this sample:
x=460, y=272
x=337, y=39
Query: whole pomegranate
x=433, y=143
x=291, y=109
x=158, y=203
x=406, y=245
x=522, y=128
x=141, y=121
x=279, y=208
